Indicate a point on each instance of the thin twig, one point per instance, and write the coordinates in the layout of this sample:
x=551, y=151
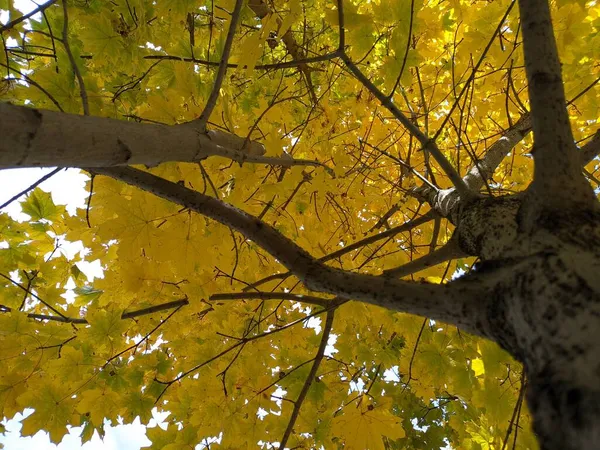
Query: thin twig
x=137, y=344
x=41, y=300
x=475, y=69
x=310, y=299
x=407, y=226
x=30, y=188
x=516, y=410
x=274, y=66
x=35, y=84
x=24, y=17
x=74, y=320
x=402, y=163
x=451, y=250
x=426, y=143
x=89, y=201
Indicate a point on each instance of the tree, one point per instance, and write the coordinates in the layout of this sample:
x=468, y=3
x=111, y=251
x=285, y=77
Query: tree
x=286, y=151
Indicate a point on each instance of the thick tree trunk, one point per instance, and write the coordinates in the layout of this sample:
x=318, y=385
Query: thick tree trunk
x=543, y=306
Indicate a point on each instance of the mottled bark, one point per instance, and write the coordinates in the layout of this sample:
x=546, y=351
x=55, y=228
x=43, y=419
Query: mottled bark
x=543, y=306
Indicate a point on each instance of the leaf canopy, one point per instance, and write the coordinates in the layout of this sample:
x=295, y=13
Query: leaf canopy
x=160, y=330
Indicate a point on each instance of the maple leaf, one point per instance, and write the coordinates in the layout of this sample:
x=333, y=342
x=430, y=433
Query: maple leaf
x=363, y=426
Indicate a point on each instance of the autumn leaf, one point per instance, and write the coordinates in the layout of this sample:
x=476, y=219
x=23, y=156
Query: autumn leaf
x=363, y=426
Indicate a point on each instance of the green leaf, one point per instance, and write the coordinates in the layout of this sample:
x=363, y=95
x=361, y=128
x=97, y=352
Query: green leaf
x=39, y=206
x=76, y=273
x=88, y=293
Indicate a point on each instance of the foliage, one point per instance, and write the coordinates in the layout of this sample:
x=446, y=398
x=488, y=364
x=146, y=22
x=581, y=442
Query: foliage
x=166, y=326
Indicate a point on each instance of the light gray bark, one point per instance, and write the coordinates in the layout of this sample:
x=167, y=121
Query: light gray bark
x=42, y=138
x=558, y=183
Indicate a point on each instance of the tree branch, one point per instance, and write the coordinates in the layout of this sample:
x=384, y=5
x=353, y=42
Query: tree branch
x=24, y=17
x=451, y=250
x=29, y=188
x=484, y=169
x=262, y=10
x=310, y=299
x=407, y=226
x=43, y=138
x=591, y=149
x=558, y=182
x=125, y=315
x=310, y=378
x=386, y=101
x=212, y=100
x=76, y=71
x=274, y=66
x=460, y=304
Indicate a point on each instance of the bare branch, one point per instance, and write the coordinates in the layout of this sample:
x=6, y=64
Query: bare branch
x=558, y=182
x=34, y=84
x=283, y=161
x=125, y=315
x=212, y=100
x=156, y=308
x=459, y=304
x=29, y=188
x=24, y=17
x=274, y=66
x=310, y=378
x=310, y=299
x=407, y=226
x=34, y=295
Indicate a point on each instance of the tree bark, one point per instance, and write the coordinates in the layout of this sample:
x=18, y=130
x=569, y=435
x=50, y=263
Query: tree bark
x=42, y=138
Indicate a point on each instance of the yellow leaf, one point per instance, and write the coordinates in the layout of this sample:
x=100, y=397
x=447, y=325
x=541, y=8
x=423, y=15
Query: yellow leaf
x=363, y=426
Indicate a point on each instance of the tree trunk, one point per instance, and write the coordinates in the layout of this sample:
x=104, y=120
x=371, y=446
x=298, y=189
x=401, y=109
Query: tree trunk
x=544, y=308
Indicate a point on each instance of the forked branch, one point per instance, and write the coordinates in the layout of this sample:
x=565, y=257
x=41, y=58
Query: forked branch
x=459, y=304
